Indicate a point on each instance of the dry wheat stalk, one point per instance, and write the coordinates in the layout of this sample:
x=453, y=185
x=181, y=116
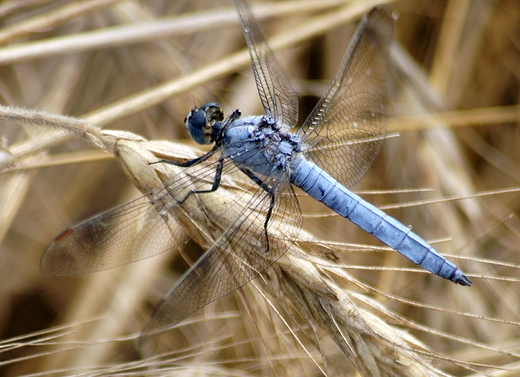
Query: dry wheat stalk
x=473, y=67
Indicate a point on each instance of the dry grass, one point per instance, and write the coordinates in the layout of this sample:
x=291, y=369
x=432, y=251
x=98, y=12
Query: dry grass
x=339, y=296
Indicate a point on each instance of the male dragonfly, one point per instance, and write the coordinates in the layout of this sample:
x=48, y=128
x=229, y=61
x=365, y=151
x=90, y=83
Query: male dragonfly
x=332, y=150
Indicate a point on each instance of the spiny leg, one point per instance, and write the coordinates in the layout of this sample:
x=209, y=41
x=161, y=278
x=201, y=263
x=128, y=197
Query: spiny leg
x=187, y=164
x=269, y=191
x=214, y=187
x=218, y=172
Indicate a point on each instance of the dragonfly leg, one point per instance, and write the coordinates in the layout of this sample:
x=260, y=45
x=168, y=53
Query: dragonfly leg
x=218, y=172
x=214, y=187
x=195, y=161
x=270, y=192
x=187, y=164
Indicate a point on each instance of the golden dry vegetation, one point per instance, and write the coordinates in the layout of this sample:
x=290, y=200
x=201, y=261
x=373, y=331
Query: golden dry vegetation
x=341, y=303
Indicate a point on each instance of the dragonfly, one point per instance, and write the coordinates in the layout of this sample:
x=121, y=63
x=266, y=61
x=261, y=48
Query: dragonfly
x=333, y=149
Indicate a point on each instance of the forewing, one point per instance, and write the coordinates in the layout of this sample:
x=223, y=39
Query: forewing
x=238, y=255
x=229, y=222
x=140, y=229
x=276, y=92
x=136, y=230
x=345, y=131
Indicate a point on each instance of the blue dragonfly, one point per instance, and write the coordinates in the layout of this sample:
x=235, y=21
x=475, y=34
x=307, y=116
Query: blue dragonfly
x=332, y=150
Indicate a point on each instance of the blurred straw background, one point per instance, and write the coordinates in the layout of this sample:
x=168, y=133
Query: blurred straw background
x=141, y=66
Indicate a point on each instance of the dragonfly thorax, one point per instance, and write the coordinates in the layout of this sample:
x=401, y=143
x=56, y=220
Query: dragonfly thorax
x=260, y=144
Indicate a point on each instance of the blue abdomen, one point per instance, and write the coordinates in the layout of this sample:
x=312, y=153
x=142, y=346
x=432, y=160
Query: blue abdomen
x=322, y=187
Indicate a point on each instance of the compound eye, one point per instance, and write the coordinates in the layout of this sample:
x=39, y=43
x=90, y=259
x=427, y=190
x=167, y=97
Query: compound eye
x=200, y=120
x=213, y=112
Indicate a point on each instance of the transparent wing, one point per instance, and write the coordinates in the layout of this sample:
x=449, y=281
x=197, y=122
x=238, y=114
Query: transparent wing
x=148, y=226
x=142, y=228
x=229, y=222
x=276, y=92
x=345, y=131
x=239, y=255
x=136, y=230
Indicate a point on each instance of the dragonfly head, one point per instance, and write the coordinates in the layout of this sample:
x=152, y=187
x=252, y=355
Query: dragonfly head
x=199, y=122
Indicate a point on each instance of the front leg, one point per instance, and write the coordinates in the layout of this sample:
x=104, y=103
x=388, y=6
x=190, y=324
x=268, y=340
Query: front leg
x=216, y=181
x=269, y=192
x=188, y=163
x=198, y=160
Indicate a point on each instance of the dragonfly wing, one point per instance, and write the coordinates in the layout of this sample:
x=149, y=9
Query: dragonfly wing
x=133, y=231
x=139, y=229
x=276, y=92
x=345, y=131
x=238, y=255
